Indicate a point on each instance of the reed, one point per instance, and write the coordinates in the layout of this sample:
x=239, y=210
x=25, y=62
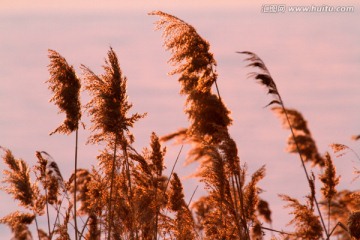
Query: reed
x=128, y=196
x=65, y=86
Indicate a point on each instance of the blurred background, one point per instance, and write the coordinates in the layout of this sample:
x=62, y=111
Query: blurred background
x=313, y=57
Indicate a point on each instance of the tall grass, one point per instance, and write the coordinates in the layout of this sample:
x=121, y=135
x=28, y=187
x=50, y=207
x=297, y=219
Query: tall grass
x=66, y=86
x=128, y=196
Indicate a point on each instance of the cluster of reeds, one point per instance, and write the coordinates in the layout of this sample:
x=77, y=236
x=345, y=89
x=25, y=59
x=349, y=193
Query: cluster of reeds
x=127, y=196
x=309, y=218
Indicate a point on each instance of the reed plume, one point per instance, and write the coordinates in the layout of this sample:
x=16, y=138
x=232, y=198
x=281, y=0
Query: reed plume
x=330, y=181
x=208, y=131
x=251, y=193
x=264, y=211
x=303, y=138
x=297, y=144
x=89, y=202
x=66, y=86
x=354, y=224
x=355, y=137
x=48, y=174
x=109, y=106
x=263, y=77
x=343, y=203
x=307, y=225
x=18, y=222
x=109, y=109
x=93, y=196
x=21, y=188
x=190, y=52
x=196, y=66
x=339, y=149
x=184, y=224
x=18, y=179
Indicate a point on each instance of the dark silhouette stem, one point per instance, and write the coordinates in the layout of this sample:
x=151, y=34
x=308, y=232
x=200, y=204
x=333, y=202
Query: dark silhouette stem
x=172, y=170
x=75, y=181
x=277, y=231
x=192, y=196
x=241, y=197
x=85, y=226
x=303, y=164
x=37, y=226
x=339, y=224
x=168, y=181
x=217, y=90
x=124, y=148
x=329, y=212
x=47, y=205
x=111, y=188
x=58, y=208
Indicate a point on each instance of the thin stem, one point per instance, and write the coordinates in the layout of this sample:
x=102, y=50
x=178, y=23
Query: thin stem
x=75, y=181
x=47, y=206
x=217, y=89
x=329, y=209
x=339, y=224
x=234, y=203
x=192, y=196
x=169, y=178
x=238, y=183
x=37, y=226
x=157, y=205
x=357, y=155
x=57, y=208
x=111, y=188
x=277, y=231
x=157, y=211
x=85, y=226
x=303, y=164
x=124, y=148
x=172, y=170
x=241, y=197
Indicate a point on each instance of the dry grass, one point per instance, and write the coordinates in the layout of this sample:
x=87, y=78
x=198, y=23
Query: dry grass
x=126, y=196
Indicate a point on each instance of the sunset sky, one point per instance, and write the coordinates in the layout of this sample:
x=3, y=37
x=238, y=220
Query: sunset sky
x=313, y=57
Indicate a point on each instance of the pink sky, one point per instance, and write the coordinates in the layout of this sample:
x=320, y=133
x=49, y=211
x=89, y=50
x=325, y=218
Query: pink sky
x=313, y=57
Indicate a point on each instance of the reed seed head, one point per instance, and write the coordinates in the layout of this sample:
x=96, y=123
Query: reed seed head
x=109, y=106
x=354, y=224
x=65, y=86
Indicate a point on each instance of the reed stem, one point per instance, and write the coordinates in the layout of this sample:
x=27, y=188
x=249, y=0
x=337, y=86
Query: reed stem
x=75, y=181
x=111, y=188
x=303, y=165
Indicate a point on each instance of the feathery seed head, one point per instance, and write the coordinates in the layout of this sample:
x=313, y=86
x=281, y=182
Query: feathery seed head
x=176, y=200
x=66, y=86
x=189, y=51
x=329, y=179
x=18, y=222
x=307, y=224
x=109, y=106
x=264, y=76
x=303, y=138
x=18, y=178
x=251, y=193
x=339, y=149
x=354, y=224
x=157, y=154
x=48, y=173
x=355, y=137
x=264, y=210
